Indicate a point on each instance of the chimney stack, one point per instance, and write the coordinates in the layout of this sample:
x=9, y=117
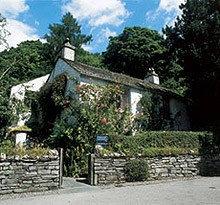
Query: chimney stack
x=67, y=51
x=152, y=77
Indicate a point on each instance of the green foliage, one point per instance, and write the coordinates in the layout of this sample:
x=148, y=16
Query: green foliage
x=6, y=115
x=194, y=40
x=97, y=112
x=17, y=65
x=8, y=147
x=69, y=28
x=3, y=33
x=25, y=62
x=136, y=170
x=134, y=51
x=154, y=143
x=150, y=113
x=47, y=106
x=137, y=49
x=85, y=57
x=178, y=139
x=149, y=142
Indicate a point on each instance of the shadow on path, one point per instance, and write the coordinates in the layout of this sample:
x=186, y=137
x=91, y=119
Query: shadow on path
x=71, y=185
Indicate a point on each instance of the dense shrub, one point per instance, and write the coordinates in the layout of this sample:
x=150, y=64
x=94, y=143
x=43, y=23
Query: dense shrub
x=136, y=170
x=91, y=110
x=165, y=142
x=8, y=147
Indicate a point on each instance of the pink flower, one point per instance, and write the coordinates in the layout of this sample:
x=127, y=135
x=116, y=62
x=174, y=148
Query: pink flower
x=65, y=74
x=98, y=115
x=90, y=79
x=117, y=101
x=129, y=118
x=109, y=120
x=97, y=108
x=116, y=133
x=102, y=105
x=109, y=85
x=67, y=102
x=127, y=105
x=78, y=86
x=113, y=74
x=96, y=89
x=104, y=121
x=137, y=115
x=83, y=85
x=116, y=86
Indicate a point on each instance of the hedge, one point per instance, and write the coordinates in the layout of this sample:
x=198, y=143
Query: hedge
x=166, y=140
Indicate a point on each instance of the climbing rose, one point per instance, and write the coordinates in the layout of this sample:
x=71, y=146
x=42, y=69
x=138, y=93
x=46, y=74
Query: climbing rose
x=117, y=101
x=102, y=105
x=127, y=105
x=137, y=115
x=78, y=86
x=83, y=85
x=98, y=115
x=67, y=102
x=65, y=74
x=116, y=86
x=104, y=121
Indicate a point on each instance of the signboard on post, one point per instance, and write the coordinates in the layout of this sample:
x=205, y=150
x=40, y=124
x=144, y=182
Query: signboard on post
x=101, y=140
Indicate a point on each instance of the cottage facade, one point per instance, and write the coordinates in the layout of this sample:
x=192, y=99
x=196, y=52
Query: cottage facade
x=174, y=104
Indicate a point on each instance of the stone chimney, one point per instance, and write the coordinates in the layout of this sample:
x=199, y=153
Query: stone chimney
x=67, y=51
x=152, y=77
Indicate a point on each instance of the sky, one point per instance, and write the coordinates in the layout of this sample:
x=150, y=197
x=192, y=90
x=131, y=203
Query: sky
x=30, y=19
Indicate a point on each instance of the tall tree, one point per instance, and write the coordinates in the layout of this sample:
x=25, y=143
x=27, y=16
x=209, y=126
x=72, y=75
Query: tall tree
x=69, y=28
x=136, y=50
x=17, y=65
x=195, y=40
x=3, y=33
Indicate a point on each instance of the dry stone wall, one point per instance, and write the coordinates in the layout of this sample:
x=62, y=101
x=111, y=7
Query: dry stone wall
x=18, y=176
x=110, y=169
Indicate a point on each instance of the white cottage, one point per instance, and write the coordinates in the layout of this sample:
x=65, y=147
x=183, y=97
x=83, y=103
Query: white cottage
x=173, y=103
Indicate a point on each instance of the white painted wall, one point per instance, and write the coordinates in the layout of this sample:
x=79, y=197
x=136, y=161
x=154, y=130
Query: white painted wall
x=18, y=92
x=62, y=67
x=135, y=96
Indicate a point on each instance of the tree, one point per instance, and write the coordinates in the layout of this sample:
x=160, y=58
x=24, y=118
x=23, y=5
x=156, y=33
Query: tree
x=3, y=33
x=136, y=50
x=195, y=40
x=68, y=28
x=17, y=65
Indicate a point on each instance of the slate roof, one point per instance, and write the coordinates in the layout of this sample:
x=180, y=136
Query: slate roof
x=114, y=77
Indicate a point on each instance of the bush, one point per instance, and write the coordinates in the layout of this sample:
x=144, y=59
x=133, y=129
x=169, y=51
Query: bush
x=136, y=170
x=8, y=147
x=178, y=139
x=154, y=143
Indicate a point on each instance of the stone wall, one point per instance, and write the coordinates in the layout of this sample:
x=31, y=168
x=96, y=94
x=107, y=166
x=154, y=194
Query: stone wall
x=110, y=169
x=18, y=176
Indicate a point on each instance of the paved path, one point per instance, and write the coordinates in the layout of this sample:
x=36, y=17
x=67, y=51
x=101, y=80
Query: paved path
x=204, y=190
